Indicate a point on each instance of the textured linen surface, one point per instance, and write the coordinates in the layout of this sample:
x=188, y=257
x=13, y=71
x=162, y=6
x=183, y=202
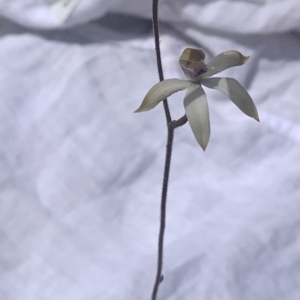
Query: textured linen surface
x=80, y=174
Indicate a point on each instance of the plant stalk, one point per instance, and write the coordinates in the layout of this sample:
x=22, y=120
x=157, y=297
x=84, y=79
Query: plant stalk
x=171, y=125
x=170, y=136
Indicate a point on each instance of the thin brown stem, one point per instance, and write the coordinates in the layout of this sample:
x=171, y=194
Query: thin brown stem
x=163, y=209
x=179, y=122
x=170, y=136
x=158, y=55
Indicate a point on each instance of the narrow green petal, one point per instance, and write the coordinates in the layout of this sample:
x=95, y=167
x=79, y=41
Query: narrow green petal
x=196, y=109
x=235, y=92
x=161, y=91
x=223, y=61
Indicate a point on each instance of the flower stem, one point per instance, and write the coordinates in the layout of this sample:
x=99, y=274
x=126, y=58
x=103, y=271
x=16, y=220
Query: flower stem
x=170, y=136
x=179, y=122
x=163, y=208
x=158, y=55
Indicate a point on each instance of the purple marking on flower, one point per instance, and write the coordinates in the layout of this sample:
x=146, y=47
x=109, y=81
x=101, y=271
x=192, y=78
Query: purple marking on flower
x=200, y=71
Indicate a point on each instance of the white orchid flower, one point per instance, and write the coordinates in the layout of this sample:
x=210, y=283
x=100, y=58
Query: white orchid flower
x=195, y=102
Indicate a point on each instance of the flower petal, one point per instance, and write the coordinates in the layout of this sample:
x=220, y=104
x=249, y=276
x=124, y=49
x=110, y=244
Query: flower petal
x=196, y=109
x=235, y=92
x=224, y=61
x=161, y=91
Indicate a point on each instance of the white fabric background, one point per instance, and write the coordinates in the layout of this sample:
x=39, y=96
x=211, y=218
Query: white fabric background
x=80, y=174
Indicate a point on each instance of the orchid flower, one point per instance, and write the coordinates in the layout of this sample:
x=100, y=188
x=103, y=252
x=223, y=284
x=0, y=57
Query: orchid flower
x=195, y=102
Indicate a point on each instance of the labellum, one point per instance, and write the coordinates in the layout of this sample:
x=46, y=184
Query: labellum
x=192, y=63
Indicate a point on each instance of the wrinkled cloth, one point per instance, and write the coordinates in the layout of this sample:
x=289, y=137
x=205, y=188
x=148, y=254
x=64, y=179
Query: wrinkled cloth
x=238, y=16
x=81, y=175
